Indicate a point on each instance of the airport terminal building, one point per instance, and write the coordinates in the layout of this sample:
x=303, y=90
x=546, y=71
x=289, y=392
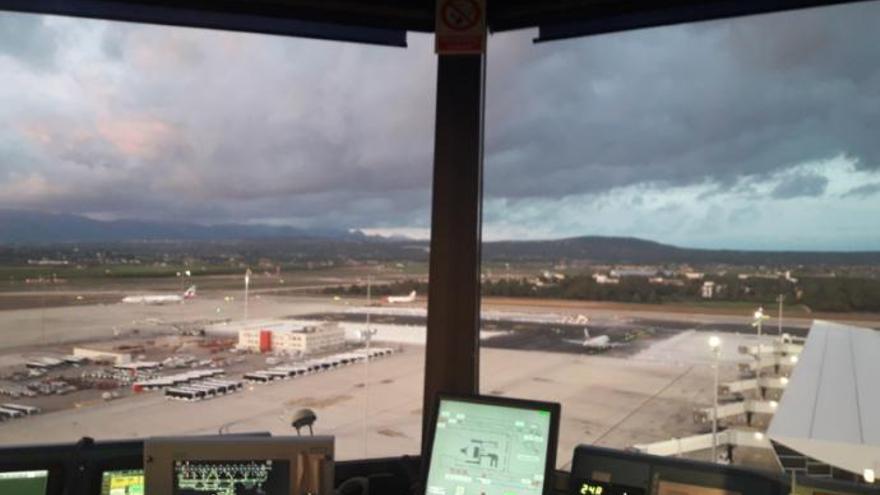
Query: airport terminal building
x=292, y=338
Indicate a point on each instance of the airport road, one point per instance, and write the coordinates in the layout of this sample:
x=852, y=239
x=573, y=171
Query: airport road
x=608, y=401
x=34, y=327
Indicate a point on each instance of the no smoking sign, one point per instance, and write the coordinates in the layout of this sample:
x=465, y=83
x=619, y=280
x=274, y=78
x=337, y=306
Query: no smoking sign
x=460, y=27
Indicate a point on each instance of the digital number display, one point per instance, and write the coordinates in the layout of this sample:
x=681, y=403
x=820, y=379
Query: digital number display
x=590, y=487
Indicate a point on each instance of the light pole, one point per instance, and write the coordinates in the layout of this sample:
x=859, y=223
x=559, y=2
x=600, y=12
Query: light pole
x=368, y=337
x=759, y=324
x=715, y=345
x=247, y=283
x=780, y=299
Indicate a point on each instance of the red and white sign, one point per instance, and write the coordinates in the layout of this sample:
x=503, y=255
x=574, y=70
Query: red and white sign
x=461, y=27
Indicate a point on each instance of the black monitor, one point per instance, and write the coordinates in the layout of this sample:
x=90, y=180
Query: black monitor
x=35, y=469
x=601, y=471
x=25, y=482
x=492, y=446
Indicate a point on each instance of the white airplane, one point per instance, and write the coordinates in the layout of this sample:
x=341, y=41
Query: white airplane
x=598, y=343
x=401, y=299
x=161, y=298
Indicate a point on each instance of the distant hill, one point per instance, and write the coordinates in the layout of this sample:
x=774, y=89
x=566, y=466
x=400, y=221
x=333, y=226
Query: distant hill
x=632, y=250
x=30, y=227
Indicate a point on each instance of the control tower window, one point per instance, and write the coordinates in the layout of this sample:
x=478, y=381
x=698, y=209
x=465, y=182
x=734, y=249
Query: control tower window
x=648, y=190
x=205, y=231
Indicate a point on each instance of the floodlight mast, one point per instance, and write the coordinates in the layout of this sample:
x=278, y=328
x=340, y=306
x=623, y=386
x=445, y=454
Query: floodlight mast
x=759, y=324
x=247, y=283
x=715, y=345
x=368, y=336
x=780, y=300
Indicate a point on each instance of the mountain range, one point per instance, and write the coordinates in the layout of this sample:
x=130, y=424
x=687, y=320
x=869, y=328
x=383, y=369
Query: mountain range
x=22, y=228
x=32, y=227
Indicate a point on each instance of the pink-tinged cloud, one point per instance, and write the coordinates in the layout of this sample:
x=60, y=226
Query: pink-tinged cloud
x=136, y=138
x=37, y=132
x=32, y=189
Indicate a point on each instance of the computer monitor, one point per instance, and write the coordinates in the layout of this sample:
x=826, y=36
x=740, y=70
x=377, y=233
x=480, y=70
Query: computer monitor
x=122, y=482
x=31, y=482
x=492, y=446
x=239, y=466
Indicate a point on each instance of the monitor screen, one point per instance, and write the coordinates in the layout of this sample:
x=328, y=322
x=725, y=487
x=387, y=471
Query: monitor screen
x=123, y=482
x=248, y=477
x=239, y=465
x=482, y=448
x=24, y=482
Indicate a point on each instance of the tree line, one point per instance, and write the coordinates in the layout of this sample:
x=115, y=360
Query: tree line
x=832, y=294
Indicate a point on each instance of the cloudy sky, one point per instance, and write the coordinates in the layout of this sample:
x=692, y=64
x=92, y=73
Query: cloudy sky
x=759, y=132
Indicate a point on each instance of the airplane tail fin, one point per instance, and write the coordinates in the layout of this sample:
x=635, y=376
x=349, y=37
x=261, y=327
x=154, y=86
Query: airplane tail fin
x=586, y=333
x=412, y=294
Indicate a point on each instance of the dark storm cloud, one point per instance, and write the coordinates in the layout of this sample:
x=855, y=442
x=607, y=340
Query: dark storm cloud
x=863, y=191
x=143, y=121
x=682, y=105
x=799, y=186
x=27, y=39
x=220, y=127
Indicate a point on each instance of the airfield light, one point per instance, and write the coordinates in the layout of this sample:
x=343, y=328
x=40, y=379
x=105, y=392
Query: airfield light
x=784, y=380
x=869, y=475
x=794, y=360
x=715, y=342
x=774, y=404
x=759, y=435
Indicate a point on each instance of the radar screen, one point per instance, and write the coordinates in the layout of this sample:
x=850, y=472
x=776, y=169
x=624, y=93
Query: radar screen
x=488, y=449
x=126, y=482
x=24, y=482
x=268, y=477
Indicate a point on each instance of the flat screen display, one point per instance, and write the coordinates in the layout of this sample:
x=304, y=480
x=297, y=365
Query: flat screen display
x=592, y=487
x=123, y=482
x=488, y=449
x=247, y=477
x=24, y=482
x=670, y=488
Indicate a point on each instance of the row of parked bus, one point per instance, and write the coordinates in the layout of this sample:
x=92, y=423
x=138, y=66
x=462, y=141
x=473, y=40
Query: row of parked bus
x=176, y=380
x=202, y=390
x=316, y=365
x=13, y=411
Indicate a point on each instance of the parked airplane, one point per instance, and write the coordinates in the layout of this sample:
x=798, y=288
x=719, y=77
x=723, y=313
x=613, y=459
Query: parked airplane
x=161, y=298
x=401, y=299
x=598, y=343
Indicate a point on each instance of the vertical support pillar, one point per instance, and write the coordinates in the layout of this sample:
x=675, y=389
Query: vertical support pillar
x=452, y=353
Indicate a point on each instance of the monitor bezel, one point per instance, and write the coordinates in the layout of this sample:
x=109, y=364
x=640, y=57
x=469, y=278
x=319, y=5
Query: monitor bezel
x=553, y=441
x=161, y=453
x=98, y=476
x=741, y=479
x=55, y=475
x=112, y=455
